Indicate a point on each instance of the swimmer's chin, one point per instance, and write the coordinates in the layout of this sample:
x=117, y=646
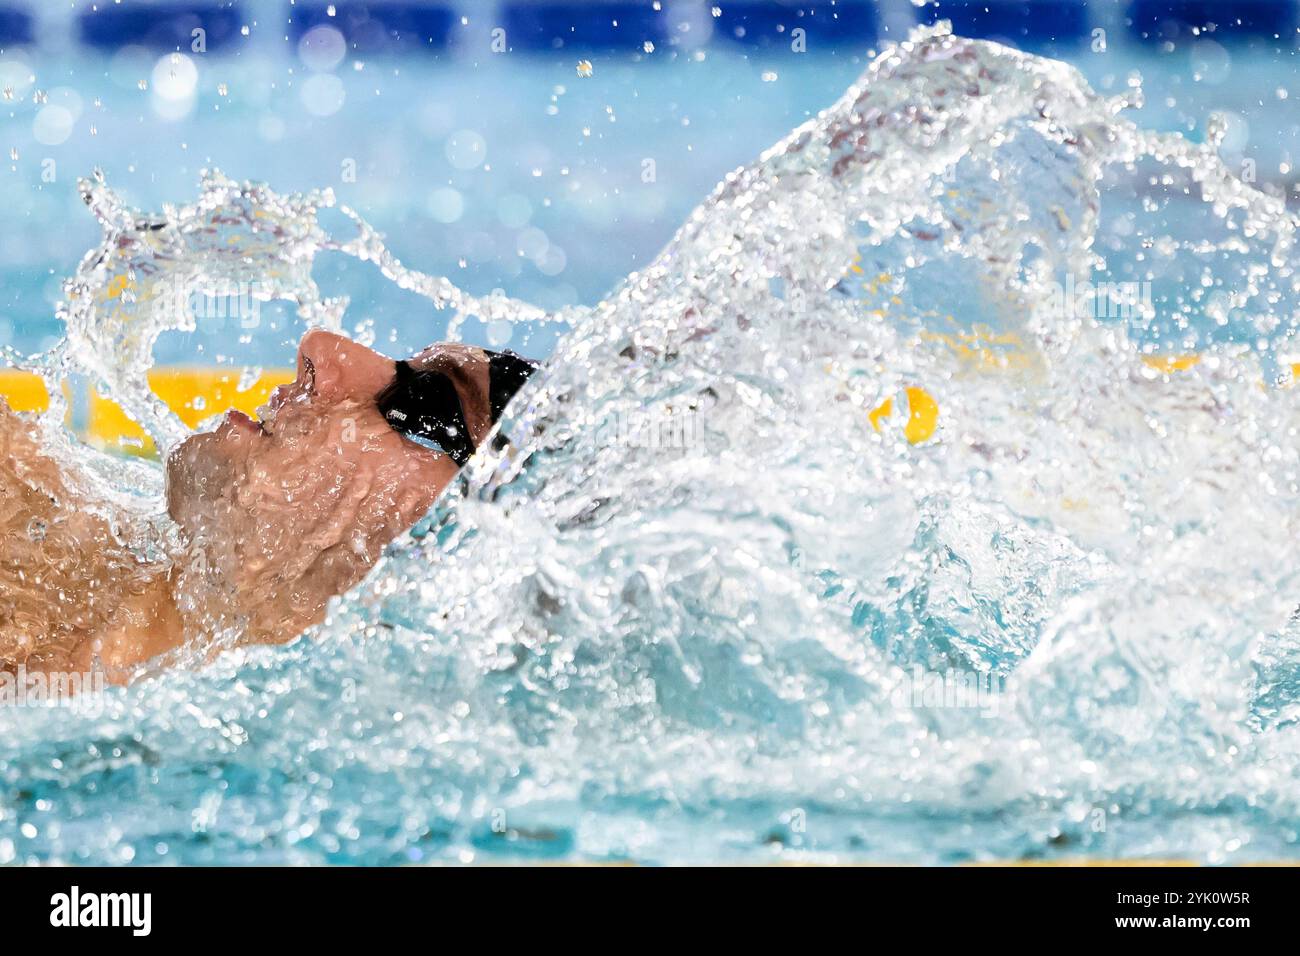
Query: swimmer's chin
x=202, y=464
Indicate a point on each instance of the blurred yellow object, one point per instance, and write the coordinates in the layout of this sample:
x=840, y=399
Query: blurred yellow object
x=192, y=393
x=1171, y=363
x=922, y=415
x=24, y=391
x=985, y=348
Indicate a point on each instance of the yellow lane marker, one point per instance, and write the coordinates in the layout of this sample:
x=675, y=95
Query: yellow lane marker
x=922, y=415
x=985, y=348
x=24, y=391
x=192, y=393
x=1171, y=363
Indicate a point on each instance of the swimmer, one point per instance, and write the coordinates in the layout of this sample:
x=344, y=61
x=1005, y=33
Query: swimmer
x=275, y=516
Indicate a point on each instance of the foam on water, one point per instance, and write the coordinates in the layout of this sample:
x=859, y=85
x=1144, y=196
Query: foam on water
x=1052, y=621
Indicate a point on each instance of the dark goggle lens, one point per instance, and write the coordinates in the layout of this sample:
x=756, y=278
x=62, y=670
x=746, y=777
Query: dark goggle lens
x=425, y=407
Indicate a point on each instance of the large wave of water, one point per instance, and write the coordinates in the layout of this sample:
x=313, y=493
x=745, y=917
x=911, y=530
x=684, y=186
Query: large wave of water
x=898, y=472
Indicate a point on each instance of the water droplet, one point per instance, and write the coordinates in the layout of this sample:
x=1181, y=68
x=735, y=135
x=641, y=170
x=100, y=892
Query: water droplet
x=1216, y=127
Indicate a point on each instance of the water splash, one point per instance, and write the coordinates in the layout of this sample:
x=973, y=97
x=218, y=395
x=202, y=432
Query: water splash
x=241, y=240
x=839, y=529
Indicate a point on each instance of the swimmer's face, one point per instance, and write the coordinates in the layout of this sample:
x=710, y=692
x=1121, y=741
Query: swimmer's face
x=292, y=510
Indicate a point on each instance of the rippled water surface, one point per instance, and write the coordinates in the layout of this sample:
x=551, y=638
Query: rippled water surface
x=833, y=532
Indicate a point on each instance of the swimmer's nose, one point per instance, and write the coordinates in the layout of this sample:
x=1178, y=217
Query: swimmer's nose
x=338, y=368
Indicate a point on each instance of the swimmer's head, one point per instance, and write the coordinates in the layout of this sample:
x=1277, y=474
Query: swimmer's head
x=286, y=512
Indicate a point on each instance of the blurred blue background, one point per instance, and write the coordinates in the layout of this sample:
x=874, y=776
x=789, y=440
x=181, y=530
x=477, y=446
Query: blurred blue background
x=466, y=133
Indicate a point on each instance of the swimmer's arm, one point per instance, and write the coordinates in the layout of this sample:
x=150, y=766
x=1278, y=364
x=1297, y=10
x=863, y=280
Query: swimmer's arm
x=63, y=600
x=145, y=625
x=27, y=508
